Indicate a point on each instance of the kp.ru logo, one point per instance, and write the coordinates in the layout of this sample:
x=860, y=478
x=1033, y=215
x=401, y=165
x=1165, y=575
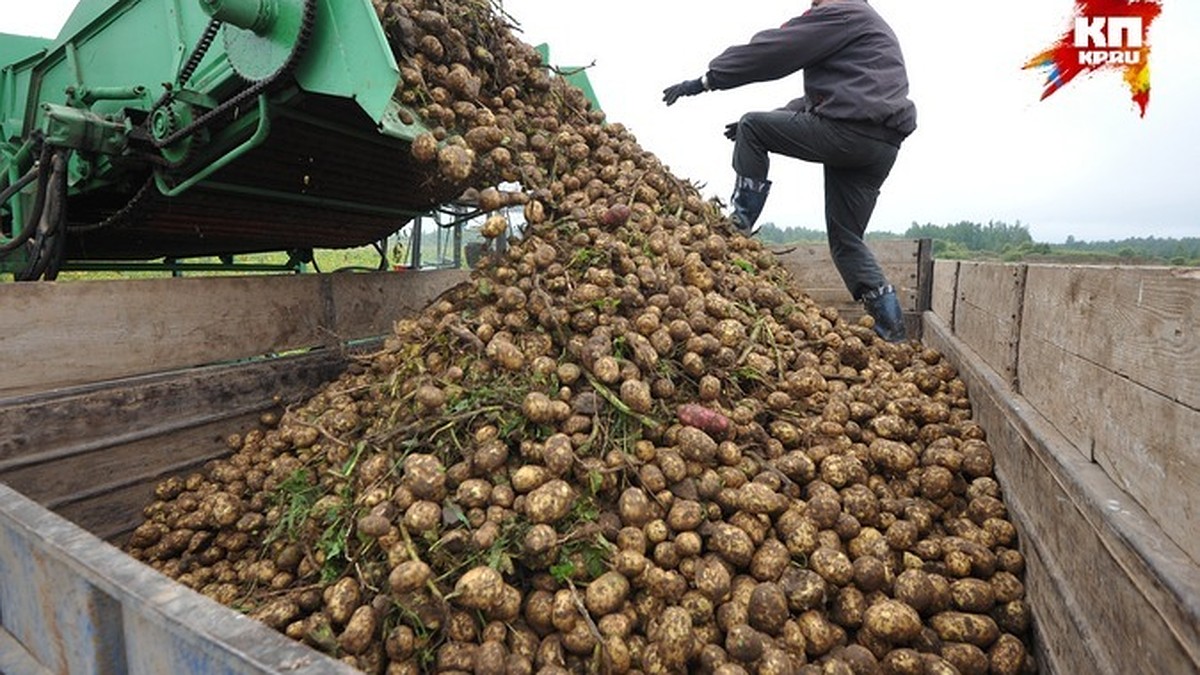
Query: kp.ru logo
x=1121, y=43
x=1106, y=34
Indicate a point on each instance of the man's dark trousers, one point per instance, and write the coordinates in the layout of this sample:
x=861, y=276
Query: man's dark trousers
x=856, y=161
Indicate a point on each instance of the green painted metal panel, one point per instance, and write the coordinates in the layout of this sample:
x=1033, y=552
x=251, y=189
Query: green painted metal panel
x=14, y=80
x=138, y=45
x=349, y=57
x=16, y=47
x=184, y=95
x=120, y=43
x=128, y=43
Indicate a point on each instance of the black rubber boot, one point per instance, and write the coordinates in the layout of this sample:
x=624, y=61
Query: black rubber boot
x=883, y=306
x=749, y=198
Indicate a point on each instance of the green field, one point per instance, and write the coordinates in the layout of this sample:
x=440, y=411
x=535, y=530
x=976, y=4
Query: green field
x=437, y=250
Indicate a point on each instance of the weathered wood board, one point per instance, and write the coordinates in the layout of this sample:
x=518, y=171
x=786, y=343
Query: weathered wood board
x=40, y=427
x=15, y=660
x=1077, y=528
x=812, y=267
x=58, y=334
x=987, y=312
x=98, y=471
x=1112, y=357
x=943, y=296
x=1141, y=323
x=94, y=453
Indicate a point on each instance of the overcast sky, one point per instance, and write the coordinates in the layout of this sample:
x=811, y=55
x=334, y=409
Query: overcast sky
x=1082, y=162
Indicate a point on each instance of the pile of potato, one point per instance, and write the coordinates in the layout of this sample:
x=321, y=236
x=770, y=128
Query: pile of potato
x=628, y=444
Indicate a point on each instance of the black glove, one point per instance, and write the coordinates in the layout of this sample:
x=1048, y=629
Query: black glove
x=731, y=131
x=685, y=88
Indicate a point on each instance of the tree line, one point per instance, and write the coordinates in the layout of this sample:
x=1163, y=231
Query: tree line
x=998, y=240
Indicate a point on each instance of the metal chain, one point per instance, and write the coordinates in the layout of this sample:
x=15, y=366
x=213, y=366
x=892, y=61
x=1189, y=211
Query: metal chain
x=193, y=62
x=121, y=215
x=254, y=89
x=144, y=193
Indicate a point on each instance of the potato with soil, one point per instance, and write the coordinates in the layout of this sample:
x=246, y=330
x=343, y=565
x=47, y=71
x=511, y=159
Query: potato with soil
x=672, y=635
x=732, y=543
x=894, y=621
x=976, y=629
x=768, y=608
x=409, y=576
x=606, y=594
x=549, y=503
x=478, y=588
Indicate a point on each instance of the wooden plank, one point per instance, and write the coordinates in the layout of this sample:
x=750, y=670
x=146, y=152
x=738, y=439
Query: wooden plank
x=1145, y=441
x=1061, y=636
x=812, y=267
x=1142, y=323
x=924, y=275
x=160, y=626
x=1125, y=345
x=76, y=476
x=811, y=263
x=1143, y=445
x=57, y=334
x=95, y=453
x=1077, y=527
x=1062, y=391
x=113, y=514
x=14, y=659
x=987, y=313
x=945, y=290
x=67, y=421
x=369, y=304
x=1080, y=623
x=95, y=330
x=76, y=630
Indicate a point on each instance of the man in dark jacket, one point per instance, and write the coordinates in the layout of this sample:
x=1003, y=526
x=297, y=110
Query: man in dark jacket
x=853, y=116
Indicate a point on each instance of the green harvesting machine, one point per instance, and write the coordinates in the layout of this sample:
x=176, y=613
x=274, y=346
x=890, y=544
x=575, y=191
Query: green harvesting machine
x=173, y=128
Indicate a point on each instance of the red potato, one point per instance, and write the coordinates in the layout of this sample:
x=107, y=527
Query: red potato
x=710, y=421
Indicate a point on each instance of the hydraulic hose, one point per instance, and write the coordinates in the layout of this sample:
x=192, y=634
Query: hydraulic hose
x=39, y=172
x=50, y=209
x=16, y=187
x=58, y=222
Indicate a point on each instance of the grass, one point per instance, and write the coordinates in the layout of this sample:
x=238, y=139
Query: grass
x=295, y=498
x=334, y=542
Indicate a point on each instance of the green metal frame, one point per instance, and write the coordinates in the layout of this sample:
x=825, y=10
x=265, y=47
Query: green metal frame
x=89, y=88
x=114, y=55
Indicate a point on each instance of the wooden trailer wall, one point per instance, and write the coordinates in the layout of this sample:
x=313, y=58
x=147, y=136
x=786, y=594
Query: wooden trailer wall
x=1087, y=380
x=907, y=263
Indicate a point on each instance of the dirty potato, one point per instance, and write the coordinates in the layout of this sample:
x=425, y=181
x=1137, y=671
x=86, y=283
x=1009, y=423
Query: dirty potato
x=892, y=620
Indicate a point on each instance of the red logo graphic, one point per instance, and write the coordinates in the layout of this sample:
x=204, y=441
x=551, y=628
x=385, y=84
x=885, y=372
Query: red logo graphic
x=1106, y=34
